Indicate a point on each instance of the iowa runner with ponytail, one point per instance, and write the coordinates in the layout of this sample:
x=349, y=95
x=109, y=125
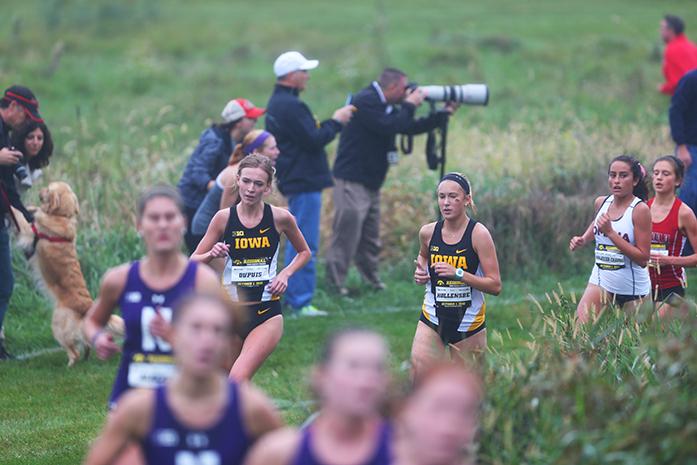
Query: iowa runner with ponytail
x=457, y=263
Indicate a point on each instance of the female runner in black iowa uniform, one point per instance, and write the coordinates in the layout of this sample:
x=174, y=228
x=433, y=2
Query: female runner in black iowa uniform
x=247, y=235
x=457, y=262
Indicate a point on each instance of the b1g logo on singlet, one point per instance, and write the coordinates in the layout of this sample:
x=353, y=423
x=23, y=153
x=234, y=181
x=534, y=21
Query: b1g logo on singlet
x=206, y=457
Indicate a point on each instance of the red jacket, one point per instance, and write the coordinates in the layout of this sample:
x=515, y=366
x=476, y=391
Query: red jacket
x=680, y=57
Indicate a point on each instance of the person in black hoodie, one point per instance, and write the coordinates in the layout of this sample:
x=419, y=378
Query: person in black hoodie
x=384, y=109
x=16, y=106
x=302, y=169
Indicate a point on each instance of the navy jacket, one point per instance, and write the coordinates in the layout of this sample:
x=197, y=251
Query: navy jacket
x=7, y=182
x=302, y=165
x=208, y=159
x=683, y=110
x=370, y=135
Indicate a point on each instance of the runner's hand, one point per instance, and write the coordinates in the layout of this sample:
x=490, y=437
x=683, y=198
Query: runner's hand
x=660, y=260
x=279, y=284
x=159, y=327
x=576, y=243
x=444, y=270
x=604, y=224
x=105, y=346
x=420, y=274
x=219, y=250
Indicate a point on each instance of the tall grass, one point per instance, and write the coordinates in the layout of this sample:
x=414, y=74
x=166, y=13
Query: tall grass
x=617, y=392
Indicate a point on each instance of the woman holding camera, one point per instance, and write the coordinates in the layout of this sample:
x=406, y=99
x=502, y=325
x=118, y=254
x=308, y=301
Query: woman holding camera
x=34, y=140
x=457, y=262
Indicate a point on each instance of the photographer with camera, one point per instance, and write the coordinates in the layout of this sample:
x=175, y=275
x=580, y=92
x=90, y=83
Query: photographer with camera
x=367, y=146
x=16, y=106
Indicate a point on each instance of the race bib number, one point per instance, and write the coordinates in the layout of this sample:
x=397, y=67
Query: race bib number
x=149, y=375
x=456, y=294
x=608, y=257
x=249, y=273
x=659, y=249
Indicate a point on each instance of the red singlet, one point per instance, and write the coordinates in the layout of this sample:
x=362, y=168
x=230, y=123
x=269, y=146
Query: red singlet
x=666, y=239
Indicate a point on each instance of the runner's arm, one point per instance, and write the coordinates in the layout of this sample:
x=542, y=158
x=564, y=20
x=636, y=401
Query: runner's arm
x=421, y=271
x=101, y=310
x=484, y=246
x=286, y=224
x=639, y=253
x=276, y=448
x=259, y=414
x=210, y=247
x=127, y=423
x=687, y=222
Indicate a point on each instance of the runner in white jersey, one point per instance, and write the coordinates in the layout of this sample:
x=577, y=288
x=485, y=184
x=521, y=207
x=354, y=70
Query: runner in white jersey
x=622, y=232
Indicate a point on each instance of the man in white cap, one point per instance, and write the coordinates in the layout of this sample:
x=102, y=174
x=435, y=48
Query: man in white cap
x=302, y=168
x=211, y=156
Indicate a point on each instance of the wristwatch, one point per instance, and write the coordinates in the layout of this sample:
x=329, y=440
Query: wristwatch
x=459, y=272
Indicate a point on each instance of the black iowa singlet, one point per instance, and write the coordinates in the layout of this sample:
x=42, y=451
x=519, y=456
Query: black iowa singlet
x=252, y=258
x=450, y=301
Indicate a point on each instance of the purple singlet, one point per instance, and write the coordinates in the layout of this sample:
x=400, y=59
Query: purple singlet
x=381, y=456
x=146, y=361
x=169, y=442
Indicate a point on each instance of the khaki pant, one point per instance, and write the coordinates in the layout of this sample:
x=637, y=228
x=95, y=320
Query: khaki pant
x=356, y=233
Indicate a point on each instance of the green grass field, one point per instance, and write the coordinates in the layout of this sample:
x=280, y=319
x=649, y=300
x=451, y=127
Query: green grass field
x=126, y=88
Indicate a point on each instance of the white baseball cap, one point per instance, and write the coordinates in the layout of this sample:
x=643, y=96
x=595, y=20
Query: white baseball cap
x=292, y=61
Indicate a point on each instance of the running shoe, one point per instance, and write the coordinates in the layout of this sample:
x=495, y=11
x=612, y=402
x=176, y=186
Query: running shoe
x=309, y=310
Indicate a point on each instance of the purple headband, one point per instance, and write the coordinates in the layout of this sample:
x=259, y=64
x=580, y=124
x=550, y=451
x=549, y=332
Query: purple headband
x=256, y=143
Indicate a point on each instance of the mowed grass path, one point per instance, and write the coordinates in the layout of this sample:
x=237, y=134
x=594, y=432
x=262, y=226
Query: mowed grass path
x=49, y=413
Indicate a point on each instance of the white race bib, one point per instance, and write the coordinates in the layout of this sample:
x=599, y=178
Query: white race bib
x=659, y=249
x=453, y=294
x=608, y=257
x=149, y=375
x=249, y=273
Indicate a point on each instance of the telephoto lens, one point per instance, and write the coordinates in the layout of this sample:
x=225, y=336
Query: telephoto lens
x=469, y=94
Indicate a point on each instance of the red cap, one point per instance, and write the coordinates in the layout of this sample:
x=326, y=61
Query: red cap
x=241, y=108
x=26, y=99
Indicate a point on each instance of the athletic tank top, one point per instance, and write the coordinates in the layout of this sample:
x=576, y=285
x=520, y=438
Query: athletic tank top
x=451, y=300
x=381, y=456
x=169, y=442
x=252, y=259
x=147, y=360
x=208, y=208
x=667, y=240
x=613, y=271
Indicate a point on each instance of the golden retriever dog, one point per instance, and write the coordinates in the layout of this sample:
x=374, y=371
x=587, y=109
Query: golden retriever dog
x=49, y=243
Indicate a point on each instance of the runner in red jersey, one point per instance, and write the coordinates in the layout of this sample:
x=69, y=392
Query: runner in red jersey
x=672, y=222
